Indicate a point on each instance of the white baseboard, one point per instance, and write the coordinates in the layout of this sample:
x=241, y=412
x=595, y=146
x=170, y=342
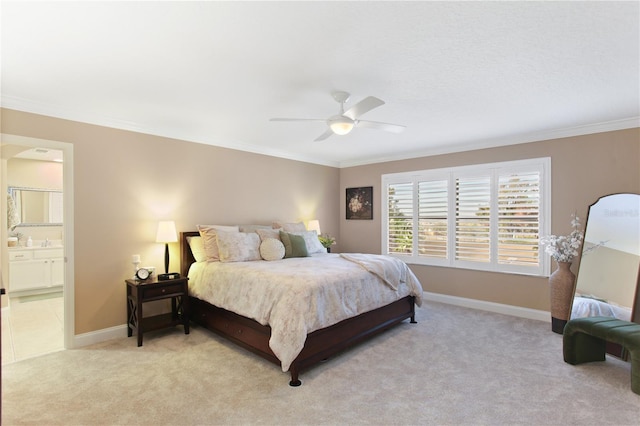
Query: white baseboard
x=98, y=336
x=516, y=311
x=120, y=331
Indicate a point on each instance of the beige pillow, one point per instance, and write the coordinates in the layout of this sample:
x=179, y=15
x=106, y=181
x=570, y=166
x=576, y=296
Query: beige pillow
x=197, y=248
x=252, y=228
x=294, y=227
x=268, y=233
x=289, y=227
x=238, y=246
x=209, y=240
x=271, y=249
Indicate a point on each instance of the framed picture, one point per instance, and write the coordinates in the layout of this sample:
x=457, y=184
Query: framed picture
x=360, y=203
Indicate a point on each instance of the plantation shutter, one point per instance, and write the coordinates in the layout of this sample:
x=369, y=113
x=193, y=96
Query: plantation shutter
x=473, y=221
x=433, y=210
x=518, y=218
x=400, y=218
x=486, y=217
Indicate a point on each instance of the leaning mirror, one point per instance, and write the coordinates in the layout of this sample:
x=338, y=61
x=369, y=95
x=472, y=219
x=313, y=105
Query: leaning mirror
x=34, y=207
x=607, y=282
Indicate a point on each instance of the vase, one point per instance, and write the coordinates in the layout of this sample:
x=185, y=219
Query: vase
x=562, y=288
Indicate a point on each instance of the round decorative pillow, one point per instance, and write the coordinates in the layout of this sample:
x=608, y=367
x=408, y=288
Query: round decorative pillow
x=271, y=249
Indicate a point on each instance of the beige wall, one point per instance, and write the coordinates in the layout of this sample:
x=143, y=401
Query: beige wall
x=125, y=182
x=606, y=275
x=583, y=169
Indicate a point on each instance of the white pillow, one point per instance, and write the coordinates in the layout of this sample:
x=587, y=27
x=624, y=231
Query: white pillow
x=210, y=242
x=197, y=248
x=238, y=246
x=312, y=241
x=271, y=249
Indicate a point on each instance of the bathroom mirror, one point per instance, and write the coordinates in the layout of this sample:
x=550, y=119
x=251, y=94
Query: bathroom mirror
x=36, y=207
x=607, y=281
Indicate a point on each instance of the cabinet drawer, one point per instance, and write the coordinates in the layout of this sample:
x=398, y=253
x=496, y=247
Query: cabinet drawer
x=48, y=253
x=29, y=275
x=156, y=291
x=20, y=255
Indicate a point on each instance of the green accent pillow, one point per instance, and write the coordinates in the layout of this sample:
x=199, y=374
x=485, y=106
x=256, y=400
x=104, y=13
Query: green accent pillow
x=294, y=245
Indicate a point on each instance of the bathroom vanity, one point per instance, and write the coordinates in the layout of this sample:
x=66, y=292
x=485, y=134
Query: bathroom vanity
x=35, y=270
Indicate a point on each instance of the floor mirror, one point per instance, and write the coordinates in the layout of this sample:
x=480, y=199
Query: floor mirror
x=609, y=272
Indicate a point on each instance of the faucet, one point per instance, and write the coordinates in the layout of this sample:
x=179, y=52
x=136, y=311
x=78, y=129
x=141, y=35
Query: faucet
x=46, y=243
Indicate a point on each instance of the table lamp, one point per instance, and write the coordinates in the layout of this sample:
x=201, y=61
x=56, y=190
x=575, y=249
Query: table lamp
x=166, y=234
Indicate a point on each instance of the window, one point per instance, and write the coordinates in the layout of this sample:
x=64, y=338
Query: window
x=486, y=217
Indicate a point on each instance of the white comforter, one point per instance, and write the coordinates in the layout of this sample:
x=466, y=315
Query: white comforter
x=586, y=306
x=297, y=296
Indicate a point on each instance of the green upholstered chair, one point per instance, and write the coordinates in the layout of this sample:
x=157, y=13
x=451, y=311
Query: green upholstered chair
x=585, y=339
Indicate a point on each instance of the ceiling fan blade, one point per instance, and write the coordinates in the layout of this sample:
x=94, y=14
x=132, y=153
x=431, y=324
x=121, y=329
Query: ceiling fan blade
x=324, y=136
x=297, y=119
x=393, y=128
x=365, y=105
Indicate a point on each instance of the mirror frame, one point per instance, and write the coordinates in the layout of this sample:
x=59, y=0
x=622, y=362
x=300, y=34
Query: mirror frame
x=612, y=348
x=11, y=190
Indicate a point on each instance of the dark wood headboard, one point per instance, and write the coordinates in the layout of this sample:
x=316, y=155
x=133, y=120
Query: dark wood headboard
x=186, y=257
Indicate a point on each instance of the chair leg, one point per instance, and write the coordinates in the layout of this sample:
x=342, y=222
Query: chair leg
x=635, y=371
x=579, y=348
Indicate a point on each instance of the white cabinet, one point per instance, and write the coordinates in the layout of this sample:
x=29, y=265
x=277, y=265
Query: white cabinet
x=36, y=269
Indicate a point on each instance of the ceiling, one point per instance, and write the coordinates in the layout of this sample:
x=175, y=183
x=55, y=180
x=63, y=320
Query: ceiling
x=458, y=75
x=40, y=154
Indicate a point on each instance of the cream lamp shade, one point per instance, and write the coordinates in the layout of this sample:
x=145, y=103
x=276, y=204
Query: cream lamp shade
x=314, y=225
x=166, y=234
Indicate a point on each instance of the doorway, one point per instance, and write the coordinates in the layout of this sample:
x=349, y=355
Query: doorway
x=51, y=309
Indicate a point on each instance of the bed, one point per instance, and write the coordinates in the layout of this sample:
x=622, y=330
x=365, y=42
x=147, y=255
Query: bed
x=254, y=331
x=586, y=305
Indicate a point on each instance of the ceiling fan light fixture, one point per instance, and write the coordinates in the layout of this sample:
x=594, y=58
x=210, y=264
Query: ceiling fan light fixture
x=341, y=125
x=344, y=122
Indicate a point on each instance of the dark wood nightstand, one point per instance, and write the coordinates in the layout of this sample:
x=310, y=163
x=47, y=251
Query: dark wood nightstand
x=139, y=292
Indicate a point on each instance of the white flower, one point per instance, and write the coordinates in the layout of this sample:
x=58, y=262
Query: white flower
x=564, y=248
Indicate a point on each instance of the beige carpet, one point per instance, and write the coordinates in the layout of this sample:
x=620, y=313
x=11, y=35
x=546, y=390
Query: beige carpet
x=456, y=366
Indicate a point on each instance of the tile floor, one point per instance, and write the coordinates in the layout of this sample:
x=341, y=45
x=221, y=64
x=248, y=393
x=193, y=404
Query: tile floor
x=32, y=327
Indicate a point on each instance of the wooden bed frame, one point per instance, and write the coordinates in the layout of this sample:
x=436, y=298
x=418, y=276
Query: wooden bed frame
x=320, y=344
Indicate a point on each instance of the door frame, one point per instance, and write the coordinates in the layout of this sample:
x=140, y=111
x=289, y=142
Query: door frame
x=68, y=225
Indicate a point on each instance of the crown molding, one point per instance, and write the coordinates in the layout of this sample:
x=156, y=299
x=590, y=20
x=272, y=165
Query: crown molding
x=607, y=126
x=19, y=104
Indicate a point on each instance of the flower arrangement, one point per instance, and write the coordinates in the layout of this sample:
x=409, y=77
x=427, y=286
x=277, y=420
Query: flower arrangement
x=564, y=248
x=326, y=240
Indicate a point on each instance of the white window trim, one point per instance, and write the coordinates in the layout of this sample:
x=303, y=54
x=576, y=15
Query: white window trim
x=543, y=164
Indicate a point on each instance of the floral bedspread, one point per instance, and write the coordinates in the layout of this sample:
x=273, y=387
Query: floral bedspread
x=296, y=296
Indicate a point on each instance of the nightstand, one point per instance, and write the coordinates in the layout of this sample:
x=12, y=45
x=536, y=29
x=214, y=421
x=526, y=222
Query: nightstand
x=139, y=292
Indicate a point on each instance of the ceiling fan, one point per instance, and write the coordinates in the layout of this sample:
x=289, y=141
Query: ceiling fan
x=345, y=121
